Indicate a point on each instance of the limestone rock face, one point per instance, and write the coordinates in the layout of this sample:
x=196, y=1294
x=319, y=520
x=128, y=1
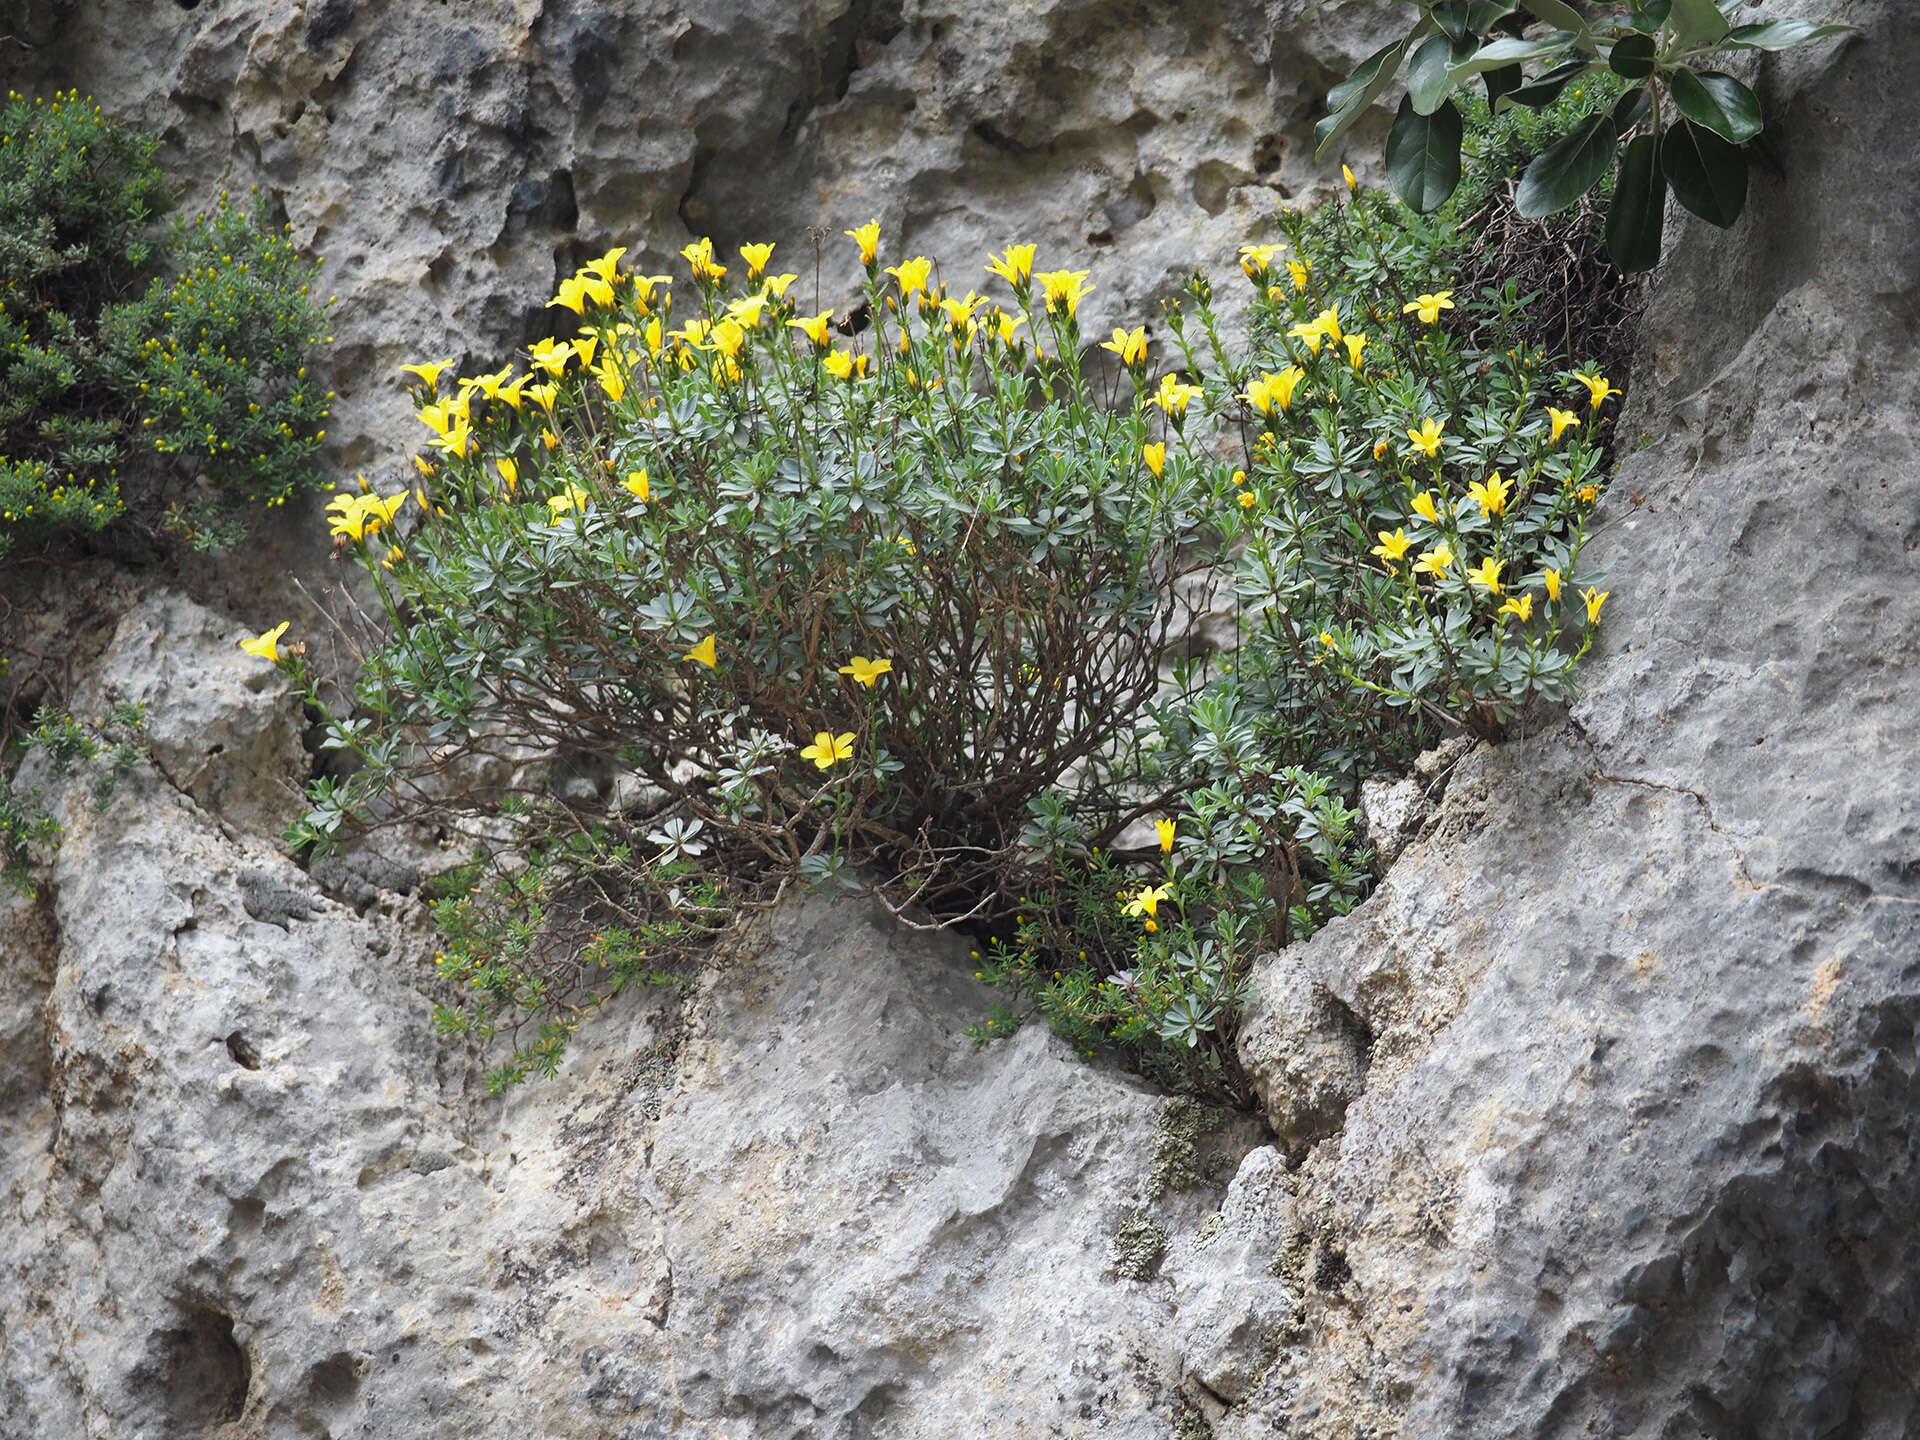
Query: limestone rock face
x=1634, y=1155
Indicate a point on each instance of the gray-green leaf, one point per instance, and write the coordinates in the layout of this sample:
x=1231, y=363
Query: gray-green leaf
x=1428, y=82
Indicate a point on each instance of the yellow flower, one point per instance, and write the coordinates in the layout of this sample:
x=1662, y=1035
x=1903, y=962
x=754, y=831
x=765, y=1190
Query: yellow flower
x=1156, y=457
x=604, y=266
x=1173, y=396
x=1381, y=449
x=1327, y=640
x=1426, y=439
x=1598, y=388
x=1347, y=175
x=490, y=385
x=1424, y=507
x=1129, y=345
x=571, y=498
x=1595, y=599
x=267, y=646
x=1271, y=390
x=1434, y=562
x=775, y=287
x=435, y=417
x=1065, y=287
x=585, y=346
x=867, y=237
x=1256, y=260
x=1300, y=270
x=572, y=295
x=1239, y=477
x=1015, y=266
x=645, y=285
x=1308, y=333
x=756, y=257
x=1589, y=494
x=423, y=465
x=544, y=395
x=960, y=312
x=1492, y=496
x=509, y=471
x=1165, y=828
x=1429, y=306
x=1551, y=579
x=828, y=750
x=727, y=337
x=699, y=258
x=1563, y=420
x=1355, y=344
x=1007, y=324
x=1486, y=575
x=839, y=365
x=1393, y=545
x=704, y=653
x=429, y=372
x=549, y=439
x=551, y=356
x=636, y=483
x=612, y=383
x=1248, y=500
x=1147, y=900
x=511, y=392
x=1329, y=322
x=866, y=671
x=911, y=275
x=1521, y=605
x=814, y=327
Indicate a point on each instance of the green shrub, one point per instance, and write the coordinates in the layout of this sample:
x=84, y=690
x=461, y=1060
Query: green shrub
x=185, y=406
x=912, y=616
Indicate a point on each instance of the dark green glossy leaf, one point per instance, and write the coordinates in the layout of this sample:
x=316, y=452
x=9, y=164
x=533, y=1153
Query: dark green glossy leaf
x=1630, y=109
x=1639, y=207
x=1717, y=101
x=1650, y=16
x=1541, y=92
x=1559, y=14
x=1708, y=176
x=1423, y=155
x=1782, y=34
x=1428, y=82
x=1509, y=50
x=1632, y=57
x=1451, y=17
x=1695, y=20
x=1501, y=82
x=1567, y=169
x=1349, y=100
x=1483, y=15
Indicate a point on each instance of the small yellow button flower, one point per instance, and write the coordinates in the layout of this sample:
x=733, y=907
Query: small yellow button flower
x=1156, y=457
x=1428, y=307
x=704, y=653
x=1248, y=500
x=267, y=646
x=1426, y=439
x=1563, y=420
x=1381, y=449
x=1486, y=575
x=1595, y=599
x=866, y=671
x=829, y=750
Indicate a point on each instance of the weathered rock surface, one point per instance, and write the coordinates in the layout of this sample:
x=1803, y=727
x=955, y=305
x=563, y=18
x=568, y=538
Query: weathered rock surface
x=247, y=1191
x=1635, y=1153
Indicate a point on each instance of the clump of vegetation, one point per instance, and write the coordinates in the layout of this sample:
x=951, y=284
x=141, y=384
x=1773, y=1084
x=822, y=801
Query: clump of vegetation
x=157, y=379
x=105, y=749
x=910, y=616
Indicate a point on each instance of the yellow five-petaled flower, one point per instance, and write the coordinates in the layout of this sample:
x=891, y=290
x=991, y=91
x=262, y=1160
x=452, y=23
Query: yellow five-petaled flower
x=1129, y=345
x=267, y=646
x=1271, y=390
x=704, y=653
x=1434, y=562
x=1428, y=307
x=828, y=750
x=867, y=237
x=1562, y=421
x=866, y=671
x=1491, y=497
x=1015, y=267
x=1426, y=439
x=1393, y=545
x=1595, y=599
x=1486, y=575
x=1598, y=388
x=1147, y=900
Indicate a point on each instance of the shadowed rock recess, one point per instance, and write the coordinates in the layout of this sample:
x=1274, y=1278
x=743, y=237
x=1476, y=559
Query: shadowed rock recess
x=1596, y=1120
